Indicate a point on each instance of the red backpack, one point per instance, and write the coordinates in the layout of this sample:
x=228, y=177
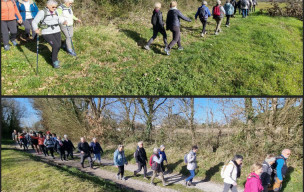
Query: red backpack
x=151, y=160
x=217, y=10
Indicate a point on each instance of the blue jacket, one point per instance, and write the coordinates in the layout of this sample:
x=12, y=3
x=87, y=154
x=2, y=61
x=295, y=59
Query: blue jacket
x=207, y=12
x=163, y=155
x=281, y=167
x=33, y=8
x=96, y=148
x=120, y=158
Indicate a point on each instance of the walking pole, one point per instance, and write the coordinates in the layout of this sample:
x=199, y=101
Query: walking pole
x=37, y=53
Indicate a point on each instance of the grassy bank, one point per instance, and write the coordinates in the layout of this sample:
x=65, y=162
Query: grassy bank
x=210, y=164
x=259, y=55
x=24, y=172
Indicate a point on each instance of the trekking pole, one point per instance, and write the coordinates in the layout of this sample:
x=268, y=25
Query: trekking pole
x=37, y=53
x=71, y=40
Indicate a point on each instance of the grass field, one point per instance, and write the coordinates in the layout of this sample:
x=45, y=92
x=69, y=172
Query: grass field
x=21, y=171
x=259, y=55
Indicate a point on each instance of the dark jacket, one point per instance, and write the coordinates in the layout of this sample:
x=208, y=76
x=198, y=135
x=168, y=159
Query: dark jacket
x=96, y=148
x=58, y=146
x=163, y=155
x=84, y=147
x=173, y=18
x=158, y=17
x=266, y=175
x=141, y=156
x=68, y=145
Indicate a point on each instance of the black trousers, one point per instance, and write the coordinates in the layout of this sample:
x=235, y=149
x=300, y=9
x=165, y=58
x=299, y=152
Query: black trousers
x=6, y=27
x=140, y=166
x=51, y=149
x=176, y=37
x=70, y=153
x=155, y=33
x=162, y=166
x=24, y=143
x=42, y=147
x=55, y=41
x=204, y=23
x=121, y=170
x=84, y=156
x=228, y=19
x=62, y=154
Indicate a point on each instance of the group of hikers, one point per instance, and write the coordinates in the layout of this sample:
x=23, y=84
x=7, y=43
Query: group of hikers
x=264, y=177
x=51, y=20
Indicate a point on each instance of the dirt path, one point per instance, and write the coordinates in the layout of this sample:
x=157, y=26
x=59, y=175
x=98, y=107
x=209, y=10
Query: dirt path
x=171, y=178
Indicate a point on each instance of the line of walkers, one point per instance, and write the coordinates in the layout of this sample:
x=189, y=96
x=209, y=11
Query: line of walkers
x=174, y=15
x=264, y=177
x=49, y=22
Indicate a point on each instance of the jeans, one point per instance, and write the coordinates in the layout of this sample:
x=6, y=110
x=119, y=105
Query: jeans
x=229, y=186
x=155, y=33
x=97, y=157
x=55, y=41
x=140, y=166
x=190, y=178
x=244, y=12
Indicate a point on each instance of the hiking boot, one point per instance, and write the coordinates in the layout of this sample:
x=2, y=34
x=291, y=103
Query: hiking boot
x=117, y=176
x=152, y=184
x=167, y=50
x=216, y=33
x=123, y=178
x=134, y=173
x=53, y=157
x=14, y=43
x=191, y=184
x=71, y=52
x=202, y=34
x=6, y=47
x=56, y=64
x=82, y=165
x=180, y=48
x=147, y=47
x=186, y=183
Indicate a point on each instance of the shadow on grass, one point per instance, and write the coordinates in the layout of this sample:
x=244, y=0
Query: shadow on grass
x=135, y=36
x=75, y=172
x=172, y=166
x=287, y=178
x=212, y=171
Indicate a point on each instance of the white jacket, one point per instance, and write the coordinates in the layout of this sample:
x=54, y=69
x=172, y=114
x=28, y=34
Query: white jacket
x=230, y=173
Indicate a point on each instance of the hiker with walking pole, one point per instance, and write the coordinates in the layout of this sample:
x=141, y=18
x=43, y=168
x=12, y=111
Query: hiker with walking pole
x=65, y=11
x=48, y=21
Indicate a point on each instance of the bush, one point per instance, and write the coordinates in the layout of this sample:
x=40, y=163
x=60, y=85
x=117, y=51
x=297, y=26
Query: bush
x=293, y=8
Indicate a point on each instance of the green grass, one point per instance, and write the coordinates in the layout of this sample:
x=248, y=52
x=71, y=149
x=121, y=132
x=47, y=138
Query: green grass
x=24, y=172
x=259, y=55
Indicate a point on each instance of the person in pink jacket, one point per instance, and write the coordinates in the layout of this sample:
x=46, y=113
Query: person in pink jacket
x=254, y=183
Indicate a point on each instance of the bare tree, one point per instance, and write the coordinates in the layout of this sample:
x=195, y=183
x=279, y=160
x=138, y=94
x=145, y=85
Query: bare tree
x=187, y=108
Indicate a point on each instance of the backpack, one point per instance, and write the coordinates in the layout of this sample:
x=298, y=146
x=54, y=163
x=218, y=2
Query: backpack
x=217, y=10
x=202, y=12
x=151, y=160
x=186, y=158
x=223, y=170
x=154, y=19
x=243, y=3
x=43, y=25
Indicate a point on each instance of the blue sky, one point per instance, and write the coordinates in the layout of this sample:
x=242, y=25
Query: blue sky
x=201, y=105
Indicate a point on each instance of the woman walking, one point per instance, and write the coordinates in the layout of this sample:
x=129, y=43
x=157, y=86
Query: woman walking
x=232, y=172
x=50, y=28
x=65, y=11
x=173, y=24
x=119, y=161
x=28, y=10
x=253, y=183
x=9, y=11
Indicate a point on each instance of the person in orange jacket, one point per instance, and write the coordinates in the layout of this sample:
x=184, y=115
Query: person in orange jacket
x=41, y=144
x=9, y=11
